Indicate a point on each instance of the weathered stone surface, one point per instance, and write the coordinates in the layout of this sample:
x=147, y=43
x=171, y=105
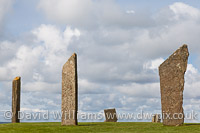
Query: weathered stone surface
x=156, y=118
x=171, y=73
x=16, y=90
x=70, y=92
x=110, y=115
x=153, y=118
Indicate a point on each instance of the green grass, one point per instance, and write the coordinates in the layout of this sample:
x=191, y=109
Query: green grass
x=122, y=127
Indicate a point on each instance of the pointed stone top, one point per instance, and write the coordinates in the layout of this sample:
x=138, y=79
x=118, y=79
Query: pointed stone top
x=182, y=51
x=17, y=78
x=71, y=60
x=74, y=54
x=184, y=46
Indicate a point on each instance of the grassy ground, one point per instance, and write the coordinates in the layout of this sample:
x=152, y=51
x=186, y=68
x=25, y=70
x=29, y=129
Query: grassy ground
x=122, y=127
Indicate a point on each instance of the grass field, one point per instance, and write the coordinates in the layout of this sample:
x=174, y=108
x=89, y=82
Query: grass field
x=122, y=127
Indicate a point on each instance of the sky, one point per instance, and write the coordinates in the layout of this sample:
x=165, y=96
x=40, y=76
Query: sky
x=119, y=44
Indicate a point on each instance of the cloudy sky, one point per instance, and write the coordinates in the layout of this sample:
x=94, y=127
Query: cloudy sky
x=119, y=43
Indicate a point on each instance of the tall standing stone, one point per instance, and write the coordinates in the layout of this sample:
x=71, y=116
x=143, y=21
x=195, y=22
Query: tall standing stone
x=16, y=90
x=171, y=73
x=110, y=115
x=70, y=92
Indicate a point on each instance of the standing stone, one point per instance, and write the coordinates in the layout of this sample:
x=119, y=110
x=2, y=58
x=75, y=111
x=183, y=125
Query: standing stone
x=16, y=90
x=171, y=73
x=156, y=118
x=111, y=115
x=70, y=92
x=153, y=118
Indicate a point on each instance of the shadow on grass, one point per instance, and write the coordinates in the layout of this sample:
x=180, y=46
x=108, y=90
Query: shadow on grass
x=191, y=124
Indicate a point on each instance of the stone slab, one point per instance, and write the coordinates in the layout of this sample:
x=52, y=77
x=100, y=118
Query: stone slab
x=110, y=115
x=70, y=92
x=171, y=73
x=156, y=118
x=16, y=90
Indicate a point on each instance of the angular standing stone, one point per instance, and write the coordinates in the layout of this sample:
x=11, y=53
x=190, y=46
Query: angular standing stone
x=156, y=118
x=16, y=90
x=171, y=73
x=70, y=92
x=111, y=115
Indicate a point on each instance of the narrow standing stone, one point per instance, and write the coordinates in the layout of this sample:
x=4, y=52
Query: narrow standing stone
x=111, y=115
x=70, y=92
x=171, y=74
x=156, y=118
x=16, y=90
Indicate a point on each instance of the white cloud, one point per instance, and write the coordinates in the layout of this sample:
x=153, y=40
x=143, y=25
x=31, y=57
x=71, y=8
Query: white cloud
x=47, y=54
x=183, y=10
x=87, y=87
x=191, y=69
x=142, y=90
x=7, y=50
x=67, y=10
x=130, y=11
x=53, y=38
x=5, y=6
x=31, y=110
x=41, y=86
x=192, y=77
x=90, y=13
x=25, y=61
x=153, y=64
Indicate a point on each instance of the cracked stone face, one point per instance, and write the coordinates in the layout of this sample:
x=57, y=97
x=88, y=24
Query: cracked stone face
x=70, y=92
x=16, y=90
x=171, y=73
x=110, y=115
